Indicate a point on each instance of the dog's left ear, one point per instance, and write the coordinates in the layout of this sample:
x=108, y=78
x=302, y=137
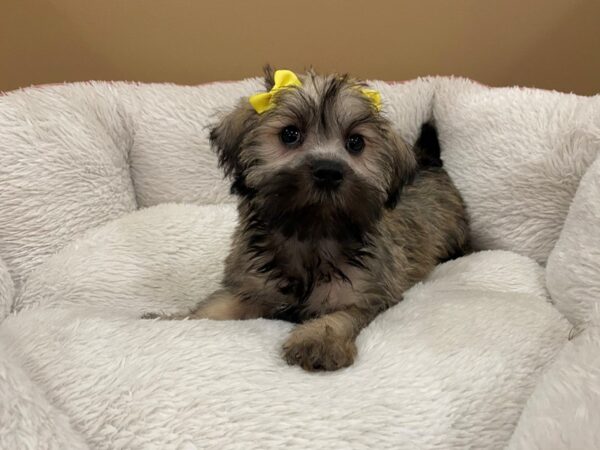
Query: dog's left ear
x=404, y=167
x=227, y=137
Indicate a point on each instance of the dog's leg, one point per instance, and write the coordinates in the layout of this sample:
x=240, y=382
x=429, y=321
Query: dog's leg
x=327, y=342
x=220, y=305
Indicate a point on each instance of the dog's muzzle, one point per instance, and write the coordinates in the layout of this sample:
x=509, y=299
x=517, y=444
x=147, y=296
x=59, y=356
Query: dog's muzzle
x=327, y=174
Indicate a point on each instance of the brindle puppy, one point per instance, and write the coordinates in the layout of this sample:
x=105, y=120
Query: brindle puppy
x=336, y=218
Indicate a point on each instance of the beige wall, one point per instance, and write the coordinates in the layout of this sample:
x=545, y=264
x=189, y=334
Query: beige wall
x=544, y=43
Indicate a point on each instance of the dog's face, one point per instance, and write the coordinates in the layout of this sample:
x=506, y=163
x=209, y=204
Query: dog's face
x=322, y=161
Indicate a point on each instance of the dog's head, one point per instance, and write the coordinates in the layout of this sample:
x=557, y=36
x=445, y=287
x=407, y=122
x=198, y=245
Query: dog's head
x=320, y=159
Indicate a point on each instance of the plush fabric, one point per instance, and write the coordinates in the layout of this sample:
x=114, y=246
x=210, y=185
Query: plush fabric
x=64, y=169
x=170, y=157
x=163, y=258
x=573, y=269
x=87, y=245
x=28, y=420
x=7, y=290
x=450, y=367
x=517, y=156
x=563, y=412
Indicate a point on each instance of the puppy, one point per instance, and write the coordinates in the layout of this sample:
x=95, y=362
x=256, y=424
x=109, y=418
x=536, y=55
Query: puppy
x=336, y=218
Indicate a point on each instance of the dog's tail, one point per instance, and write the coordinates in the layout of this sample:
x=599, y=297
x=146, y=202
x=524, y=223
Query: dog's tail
x=427, y=148
x=428, y=152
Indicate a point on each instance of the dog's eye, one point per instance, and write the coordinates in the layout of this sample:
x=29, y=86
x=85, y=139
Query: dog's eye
x=355, y=143
x=290, y=135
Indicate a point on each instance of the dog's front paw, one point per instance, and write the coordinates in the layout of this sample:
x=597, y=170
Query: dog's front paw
x=318, y=349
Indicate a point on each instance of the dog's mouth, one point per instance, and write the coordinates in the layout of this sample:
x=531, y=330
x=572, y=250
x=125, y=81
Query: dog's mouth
x=318, y=200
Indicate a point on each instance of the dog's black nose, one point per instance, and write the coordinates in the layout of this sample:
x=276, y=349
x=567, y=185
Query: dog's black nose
x=327, y=173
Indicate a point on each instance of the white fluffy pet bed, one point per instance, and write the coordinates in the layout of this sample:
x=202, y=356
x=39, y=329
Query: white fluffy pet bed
x=111, y=205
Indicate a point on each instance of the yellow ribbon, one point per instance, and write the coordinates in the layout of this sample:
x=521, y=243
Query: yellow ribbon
x=374, y=96
x=286, y=78
x=283, y=79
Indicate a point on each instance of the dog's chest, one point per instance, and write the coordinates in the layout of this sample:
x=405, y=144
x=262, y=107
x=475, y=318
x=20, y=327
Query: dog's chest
x=327, y=281
x=329, y=296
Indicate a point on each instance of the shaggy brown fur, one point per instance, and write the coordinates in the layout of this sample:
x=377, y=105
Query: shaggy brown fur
x=330, y=234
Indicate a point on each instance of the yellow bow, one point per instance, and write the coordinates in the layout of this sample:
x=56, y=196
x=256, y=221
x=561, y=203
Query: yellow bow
x=264, y=101
x=286, y=78
x=374, y=96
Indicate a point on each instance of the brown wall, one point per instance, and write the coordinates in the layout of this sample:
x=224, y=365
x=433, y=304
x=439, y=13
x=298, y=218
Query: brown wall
x=544, y=43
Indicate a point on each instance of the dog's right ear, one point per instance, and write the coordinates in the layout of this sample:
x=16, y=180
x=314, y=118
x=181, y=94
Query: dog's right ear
x=227, y=137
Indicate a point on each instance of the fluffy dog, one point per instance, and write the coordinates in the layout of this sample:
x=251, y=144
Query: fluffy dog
x=336, y=216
